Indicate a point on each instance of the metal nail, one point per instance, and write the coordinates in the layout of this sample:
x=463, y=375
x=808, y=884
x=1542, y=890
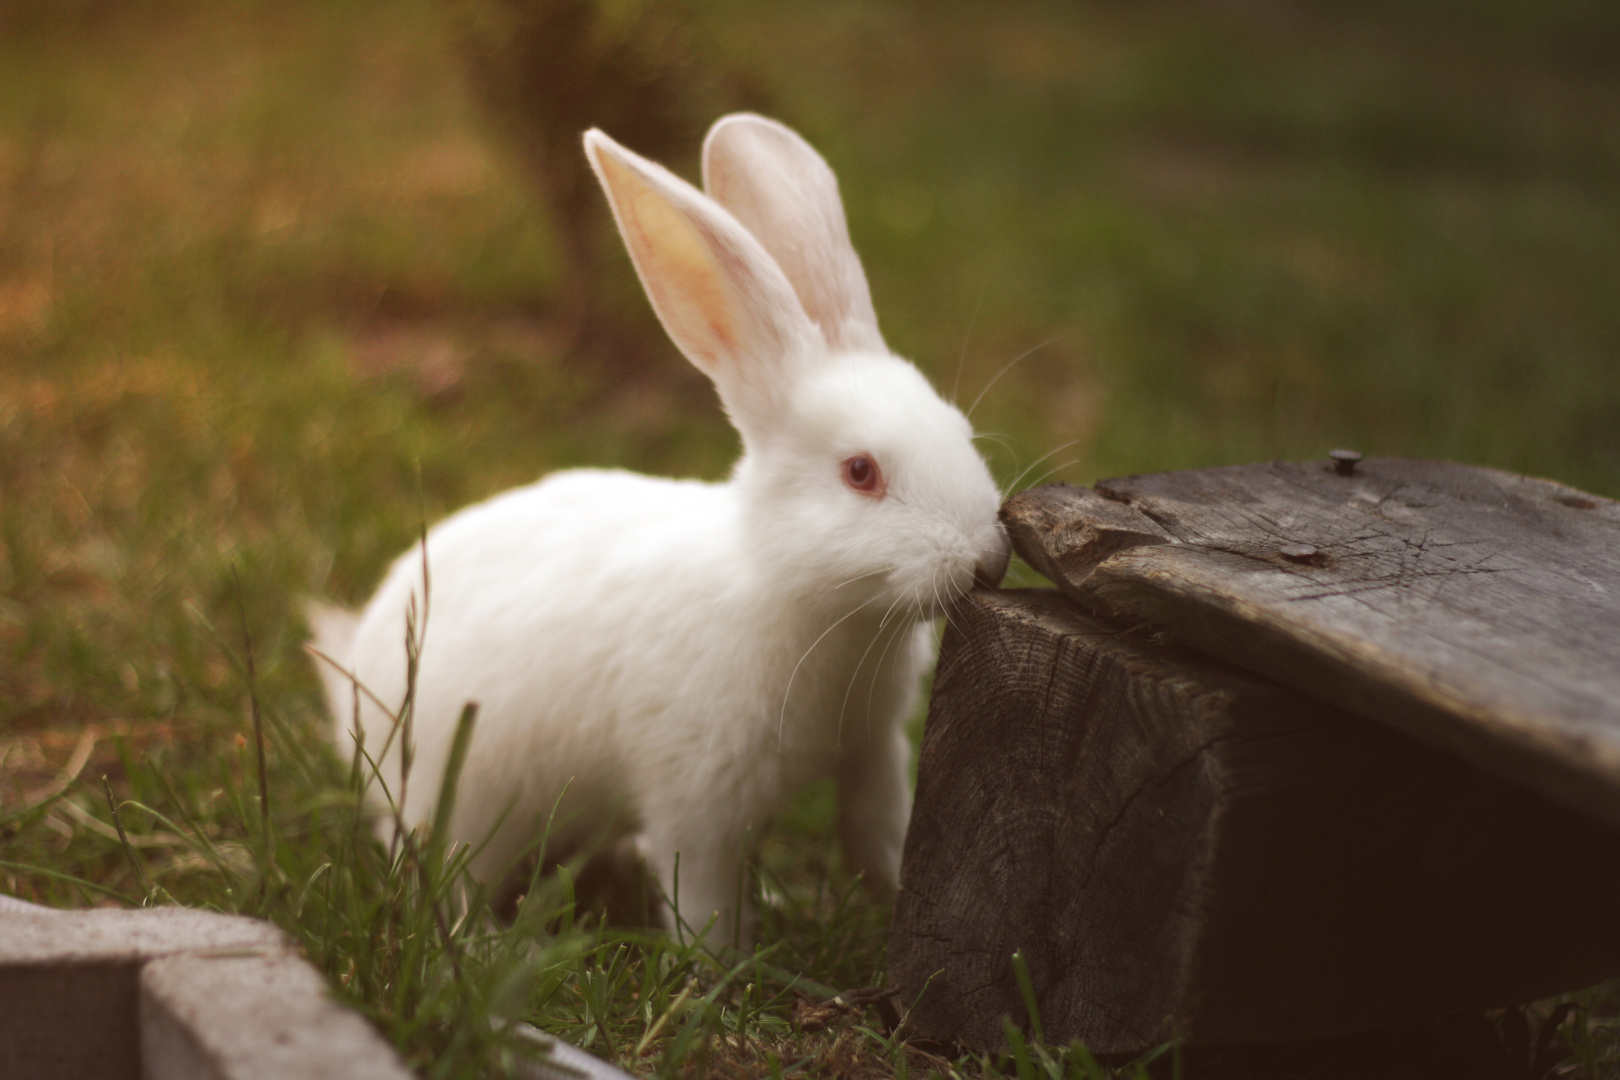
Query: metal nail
x=1344, y=461
x=1298, y=552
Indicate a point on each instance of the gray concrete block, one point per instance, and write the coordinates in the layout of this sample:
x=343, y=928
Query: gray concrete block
x=253, y=1017
x=179, y=994
x=170, y=994
x=71, y=937
x=69, y=982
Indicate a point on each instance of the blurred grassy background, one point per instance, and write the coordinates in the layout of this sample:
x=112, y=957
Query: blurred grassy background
x=274, y=282
x=277, y=280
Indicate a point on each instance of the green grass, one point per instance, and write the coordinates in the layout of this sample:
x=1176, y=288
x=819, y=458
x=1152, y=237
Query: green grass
x=270, y=295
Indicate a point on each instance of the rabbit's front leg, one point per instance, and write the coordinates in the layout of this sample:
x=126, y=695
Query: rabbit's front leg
x=700, y=876
x=874, y=805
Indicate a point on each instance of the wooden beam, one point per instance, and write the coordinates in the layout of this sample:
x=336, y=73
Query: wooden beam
x=1473, y=609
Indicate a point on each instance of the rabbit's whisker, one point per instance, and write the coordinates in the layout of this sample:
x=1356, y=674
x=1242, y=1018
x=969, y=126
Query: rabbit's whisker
x=1052, y=470
x=781, y=724
x=856, y=673
x=871, y=686
x=999, y=439
x=1012, y=485
x=862, y=577
x=956, y=595
x=888, y=612
x=973, y=319
x=944, y=606
x=1004, y=369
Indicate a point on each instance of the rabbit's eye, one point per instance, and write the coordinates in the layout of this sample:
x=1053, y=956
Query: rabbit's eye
x=861, y=474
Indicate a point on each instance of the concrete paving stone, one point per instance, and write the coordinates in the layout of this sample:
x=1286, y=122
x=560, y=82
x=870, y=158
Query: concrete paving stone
x=112, y=934
x=265, y=1017
x=180, y=994
x=170, y=994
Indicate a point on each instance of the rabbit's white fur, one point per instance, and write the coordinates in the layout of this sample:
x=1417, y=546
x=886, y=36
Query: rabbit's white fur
x=671, y=658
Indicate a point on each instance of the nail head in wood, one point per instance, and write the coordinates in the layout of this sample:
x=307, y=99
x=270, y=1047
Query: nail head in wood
x=1298, y=552
x=1344, y=461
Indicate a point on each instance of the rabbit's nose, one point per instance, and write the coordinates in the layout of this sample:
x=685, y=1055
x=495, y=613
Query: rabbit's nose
x=992, y=567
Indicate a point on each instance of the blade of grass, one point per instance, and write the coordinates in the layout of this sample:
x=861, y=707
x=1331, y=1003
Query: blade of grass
x=1026, y=990
x=258, y=715
x=78, y=882
x=123, y=839
x=450, y=785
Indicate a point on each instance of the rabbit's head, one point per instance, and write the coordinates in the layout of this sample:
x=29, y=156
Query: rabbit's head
x=859, y=482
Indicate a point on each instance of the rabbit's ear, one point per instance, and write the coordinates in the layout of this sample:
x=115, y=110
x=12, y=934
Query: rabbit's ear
x=787, y=196
x=722, y=298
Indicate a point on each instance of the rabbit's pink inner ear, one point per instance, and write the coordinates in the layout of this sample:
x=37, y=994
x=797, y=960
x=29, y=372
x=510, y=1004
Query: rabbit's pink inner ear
x=678, y=266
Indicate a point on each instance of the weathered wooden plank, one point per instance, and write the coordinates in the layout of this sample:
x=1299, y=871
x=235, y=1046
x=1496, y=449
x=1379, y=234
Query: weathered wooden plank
x=1473, y=609
x=1180, y=847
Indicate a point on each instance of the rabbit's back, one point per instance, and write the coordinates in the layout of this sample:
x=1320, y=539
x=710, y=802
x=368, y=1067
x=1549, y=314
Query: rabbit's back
x=530, y=600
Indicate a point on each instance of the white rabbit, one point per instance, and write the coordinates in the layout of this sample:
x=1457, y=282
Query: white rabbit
x=671, y=658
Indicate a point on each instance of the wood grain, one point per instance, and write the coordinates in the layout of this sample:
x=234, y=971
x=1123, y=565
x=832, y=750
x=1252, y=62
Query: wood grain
x=1473, y=609
x=1180, y=847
